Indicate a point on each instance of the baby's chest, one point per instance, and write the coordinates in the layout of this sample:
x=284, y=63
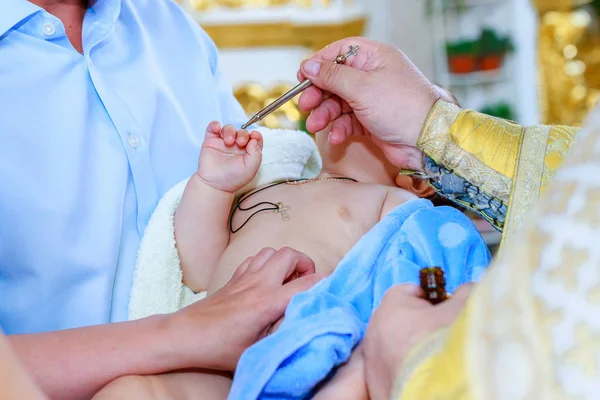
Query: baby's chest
x=324, y=226
x=323, y=214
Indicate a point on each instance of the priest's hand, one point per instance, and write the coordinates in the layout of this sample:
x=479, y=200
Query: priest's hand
x=402, y=320
x=379, y=93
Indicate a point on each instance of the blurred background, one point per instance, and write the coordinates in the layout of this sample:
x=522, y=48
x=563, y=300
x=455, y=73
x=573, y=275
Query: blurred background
x=531, y=61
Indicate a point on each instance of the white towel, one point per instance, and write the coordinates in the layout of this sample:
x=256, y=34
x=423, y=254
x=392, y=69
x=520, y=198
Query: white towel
x=157, y=282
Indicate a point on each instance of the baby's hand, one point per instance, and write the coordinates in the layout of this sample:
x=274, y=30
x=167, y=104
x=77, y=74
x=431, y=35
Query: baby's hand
x=229, y=159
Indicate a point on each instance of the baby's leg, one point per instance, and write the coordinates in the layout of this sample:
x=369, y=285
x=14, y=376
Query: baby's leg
x=172, y=386
x=348, y=383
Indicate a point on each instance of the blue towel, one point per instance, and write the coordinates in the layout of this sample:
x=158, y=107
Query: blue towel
x=323, y=325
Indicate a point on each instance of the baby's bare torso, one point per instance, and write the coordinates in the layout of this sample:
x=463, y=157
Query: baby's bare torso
x=326, y=219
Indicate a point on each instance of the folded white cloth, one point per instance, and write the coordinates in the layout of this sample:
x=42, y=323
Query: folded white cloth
x=157, y=282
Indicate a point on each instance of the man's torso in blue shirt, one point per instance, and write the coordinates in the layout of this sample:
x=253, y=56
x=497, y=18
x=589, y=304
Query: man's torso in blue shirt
x=89, y=143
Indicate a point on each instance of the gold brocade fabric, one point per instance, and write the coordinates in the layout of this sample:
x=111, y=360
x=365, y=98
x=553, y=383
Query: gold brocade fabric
x=569, y=60
x=501, y=159
x=438, y=358
x=527, y=180
x=468, y=142
x=531, y=330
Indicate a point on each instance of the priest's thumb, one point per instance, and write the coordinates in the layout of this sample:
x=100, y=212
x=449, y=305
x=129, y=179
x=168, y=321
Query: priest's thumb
x=335, y=78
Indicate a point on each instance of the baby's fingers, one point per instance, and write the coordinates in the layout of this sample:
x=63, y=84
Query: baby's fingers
x=256, y=135
x=254, y=148
x=242, y=138
x=228, y=135
x=253, y=156
x=214, y=129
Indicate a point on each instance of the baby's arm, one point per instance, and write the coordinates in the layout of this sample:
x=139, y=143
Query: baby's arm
x=228, y=161
x=201, y=231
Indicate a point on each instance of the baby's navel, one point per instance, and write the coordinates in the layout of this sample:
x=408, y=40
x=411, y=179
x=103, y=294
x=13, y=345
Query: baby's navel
x=344, y=213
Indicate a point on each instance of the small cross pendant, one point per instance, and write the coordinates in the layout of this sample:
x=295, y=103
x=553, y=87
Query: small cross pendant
x=283, y=210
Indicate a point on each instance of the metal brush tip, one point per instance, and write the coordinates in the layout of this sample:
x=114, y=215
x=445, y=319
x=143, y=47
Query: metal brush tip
x=252, y=121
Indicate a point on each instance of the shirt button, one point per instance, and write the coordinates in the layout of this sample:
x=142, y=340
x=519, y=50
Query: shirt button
x=49, y=29
x=134, y=142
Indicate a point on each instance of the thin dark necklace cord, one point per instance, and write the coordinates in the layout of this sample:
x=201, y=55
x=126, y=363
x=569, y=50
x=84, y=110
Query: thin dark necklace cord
x=272, y=206
x=238, y=206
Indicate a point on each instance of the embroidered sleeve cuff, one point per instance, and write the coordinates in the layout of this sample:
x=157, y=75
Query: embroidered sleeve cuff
x=461, y=191
x=488, y=165
x=481, y=149
x=470, y=158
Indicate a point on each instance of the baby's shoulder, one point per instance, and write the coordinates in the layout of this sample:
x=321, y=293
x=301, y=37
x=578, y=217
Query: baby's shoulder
x=395, y=196
x=399, y=194
x=384, y=193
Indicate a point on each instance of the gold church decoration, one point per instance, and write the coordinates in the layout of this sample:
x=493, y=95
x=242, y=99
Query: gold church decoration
x=280, y=33
x=569, y=60
x=544, y=6
x=203, y=5
x=314, y=37
x=253, y=97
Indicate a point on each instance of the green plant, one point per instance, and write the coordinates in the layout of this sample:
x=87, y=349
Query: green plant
x=462, y=47
x=596, y=5
x=488, y=43
x=499, y=110
x=493, y=44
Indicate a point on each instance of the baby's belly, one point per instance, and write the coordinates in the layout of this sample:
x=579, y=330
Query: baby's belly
x=324, y=256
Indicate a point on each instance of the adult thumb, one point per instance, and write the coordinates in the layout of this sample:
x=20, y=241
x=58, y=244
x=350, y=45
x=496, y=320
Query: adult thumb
x=408, y=290
x=335, y=78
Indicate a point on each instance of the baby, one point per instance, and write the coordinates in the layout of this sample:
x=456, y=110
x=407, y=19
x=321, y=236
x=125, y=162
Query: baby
x=323, y=217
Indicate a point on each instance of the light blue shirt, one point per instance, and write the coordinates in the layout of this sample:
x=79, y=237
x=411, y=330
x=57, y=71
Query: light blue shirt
x=88, y=146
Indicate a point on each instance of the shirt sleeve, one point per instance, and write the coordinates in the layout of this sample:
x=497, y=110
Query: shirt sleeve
x=233, y=112
x=491, y=166
x=231, y=109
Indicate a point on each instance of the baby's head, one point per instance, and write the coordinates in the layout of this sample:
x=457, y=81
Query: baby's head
x=359, y=158
x=356, y=158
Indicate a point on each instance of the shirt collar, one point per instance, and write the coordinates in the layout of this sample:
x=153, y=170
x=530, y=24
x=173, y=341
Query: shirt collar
x=13, y=12
x=107, y=10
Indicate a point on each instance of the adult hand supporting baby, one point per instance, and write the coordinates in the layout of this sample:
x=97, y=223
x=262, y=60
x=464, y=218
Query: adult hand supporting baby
x=243, y=311
x=378, y=93
x=209, y=334
x=399, y=323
